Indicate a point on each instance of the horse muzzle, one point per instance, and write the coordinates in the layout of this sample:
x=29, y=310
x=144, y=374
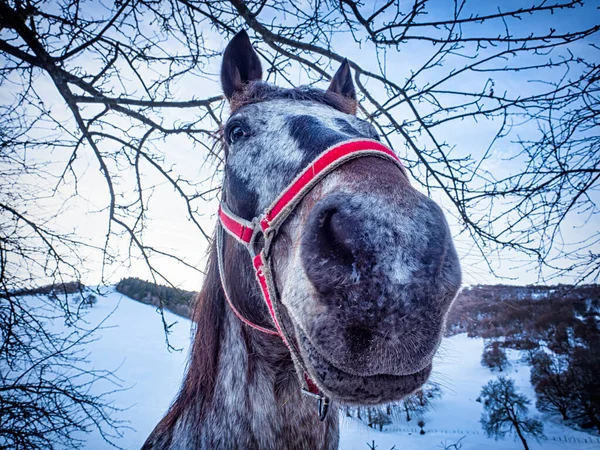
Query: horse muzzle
x=384, y=272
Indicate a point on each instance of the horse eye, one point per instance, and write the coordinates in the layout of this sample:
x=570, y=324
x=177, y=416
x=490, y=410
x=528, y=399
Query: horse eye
x=235, y=132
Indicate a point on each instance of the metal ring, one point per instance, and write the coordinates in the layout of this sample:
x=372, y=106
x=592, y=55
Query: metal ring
x=323, y=408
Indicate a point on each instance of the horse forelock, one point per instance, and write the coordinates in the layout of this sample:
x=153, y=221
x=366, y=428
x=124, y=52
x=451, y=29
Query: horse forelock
x=260, y=91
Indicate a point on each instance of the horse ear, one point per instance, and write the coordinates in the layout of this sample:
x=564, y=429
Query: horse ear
x=240, y=65
x=342, y=84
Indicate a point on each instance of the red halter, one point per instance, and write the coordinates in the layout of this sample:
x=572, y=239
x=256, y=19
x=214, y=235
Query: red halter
x=268, y=224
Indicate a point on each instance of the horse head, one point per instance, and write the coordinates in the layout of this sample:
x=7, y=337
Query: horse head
x=364, y=266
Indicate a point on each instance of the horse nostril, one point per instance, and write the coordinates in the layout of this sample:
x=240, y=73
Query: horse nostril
x=333, y=236
x=332, y=249
x=359, y=338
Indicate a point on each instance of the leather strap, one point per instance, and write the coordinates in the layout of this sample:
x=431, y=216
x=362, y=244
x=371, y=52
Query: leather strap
x=240, y=229
x=325, y=163
x=226, y=291
x=244, y=231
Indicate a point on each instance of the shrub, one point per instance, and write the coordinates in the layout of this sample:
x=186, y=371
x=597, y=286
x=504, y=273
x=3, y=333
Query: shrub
x=494, y=356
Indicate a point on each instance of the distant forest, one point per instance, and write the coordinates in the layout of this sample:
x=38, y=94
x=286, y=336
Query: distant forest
x=70, y=287
x=515, y=311
x=177, y=301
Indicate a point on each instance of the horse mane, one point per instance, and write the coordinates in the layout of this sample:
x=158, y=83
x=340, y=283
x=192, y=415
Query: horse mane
x=260, y=91
x=209, y=315
x=199, y=381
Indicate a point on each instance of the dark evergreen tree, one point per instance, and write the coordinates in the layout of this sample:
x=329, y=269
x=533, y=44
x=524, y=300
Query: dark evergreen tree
x=175, y=300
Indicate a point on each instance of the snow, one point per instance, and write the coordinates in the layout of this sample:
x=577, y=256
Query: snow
x=132, y=342
x=458, y=370
x=136, y=346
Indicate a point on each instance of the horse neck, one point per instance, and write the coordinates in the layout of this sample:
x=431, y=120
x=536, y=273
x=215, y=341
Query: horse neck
x=257, y=402
x=250, y=399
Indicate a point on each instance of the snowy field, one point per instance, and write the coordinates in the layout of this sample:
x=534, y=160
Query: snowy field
x=132, y=342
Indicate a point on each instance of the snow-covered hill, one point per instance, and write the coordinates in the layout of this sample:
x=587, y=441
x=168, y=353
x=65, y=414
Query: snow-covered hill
x=132, y=342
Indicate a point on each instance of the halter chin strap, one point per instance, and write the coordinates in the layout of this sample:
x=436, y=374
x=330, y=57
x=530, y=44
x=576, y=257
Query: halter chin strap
x=246, y=233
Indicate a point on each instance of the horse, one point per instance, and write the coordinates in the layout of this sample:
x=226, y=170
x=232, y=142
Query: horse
x=328, y=281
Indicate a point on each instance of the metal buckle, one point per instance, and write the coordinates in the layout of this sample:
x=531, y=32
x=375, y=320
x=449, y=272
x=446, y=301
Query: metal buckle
x=322, y=403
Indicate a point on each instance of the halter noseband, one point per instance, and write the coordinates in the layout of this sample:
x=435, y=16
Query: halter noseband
x=246, y=233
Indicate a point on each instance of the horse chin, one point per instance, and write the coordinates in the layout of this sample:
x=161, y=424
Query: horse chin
x=355, y=389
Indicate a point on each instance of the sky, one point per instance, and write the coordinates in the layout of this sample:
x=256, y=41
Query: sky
x=170, y=230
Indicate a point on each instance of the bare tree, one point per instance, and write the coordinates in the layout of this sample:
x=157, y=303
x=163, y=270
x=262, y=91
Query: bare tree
x=505, y=411
x=420, y=402
x=104, y=90
x=62, y=69
x=113, y=70
x=46, y=395
x=550, y=378
x=415, y=404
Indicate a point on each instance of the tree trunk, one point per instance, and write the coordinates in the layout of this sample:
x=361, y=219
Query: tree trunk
x=593, y=418
x=518, y=430
x=564, y=414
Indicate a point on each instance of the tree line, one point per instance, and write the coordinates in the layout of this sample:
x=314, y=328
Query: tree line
x=411, y=407
x=178, y=301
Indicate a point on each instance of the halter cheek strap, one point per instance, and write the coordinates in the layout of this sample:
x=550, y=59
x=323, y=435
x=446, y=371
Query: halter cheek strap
x=246, y=233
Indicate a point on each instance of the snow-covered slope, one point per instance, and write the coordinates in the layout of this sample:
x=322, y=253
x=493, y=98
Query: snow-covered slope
x=132, y=342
